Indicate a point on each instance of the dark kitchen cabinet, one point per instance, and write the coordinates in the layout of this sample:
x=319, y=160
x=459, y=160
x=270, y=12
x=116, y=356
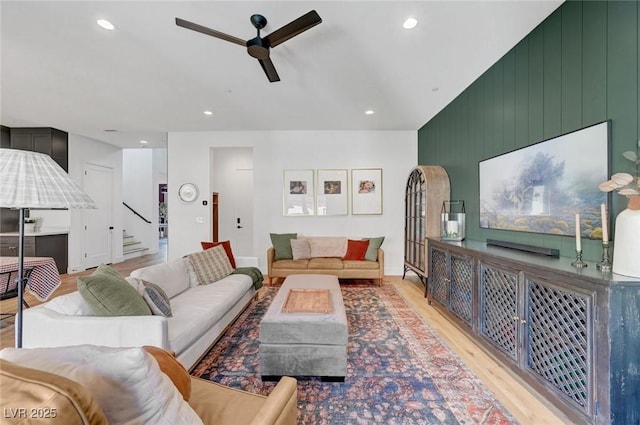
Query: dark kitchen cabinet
x=54, y=246
x=50, y=141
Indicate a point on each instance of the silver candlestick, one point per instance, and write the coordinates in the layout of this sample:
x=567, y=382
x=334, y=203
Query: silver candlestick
x=579, y=263
x=605, y=264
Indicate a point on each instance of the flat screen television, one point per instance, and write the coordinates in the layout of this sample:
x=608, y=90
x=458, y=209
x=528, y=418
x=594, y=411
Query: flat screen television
x=540, y=188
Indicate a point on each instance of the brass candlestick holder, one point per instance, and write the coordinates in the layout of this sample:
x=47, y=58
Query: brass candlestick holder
x=605, y=264
x=578, y=263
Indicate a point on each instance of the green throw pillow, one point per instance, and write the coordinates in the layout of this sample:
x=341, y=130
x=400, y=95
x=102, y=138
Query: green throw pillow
x=282, y=244
x=372, y=250
x=109, y=294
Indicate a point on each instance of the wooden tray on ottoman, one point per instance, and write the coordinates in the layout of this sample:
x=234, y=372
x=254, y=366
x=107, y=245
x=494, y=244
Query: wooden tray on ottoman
x=308, y=301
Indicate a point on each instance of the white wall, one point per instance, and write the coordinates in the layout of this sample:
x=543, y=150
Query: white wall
x=83, y=150
x=393, y=151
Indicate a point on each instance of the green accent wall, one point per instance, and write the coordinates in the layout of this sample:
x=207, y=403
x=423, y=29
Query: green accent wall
x=577, y=68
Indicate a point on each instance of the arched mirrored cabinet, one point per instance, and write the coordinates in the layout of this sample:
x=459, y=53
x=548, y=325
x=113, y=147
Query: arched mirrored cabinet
x=427, y=187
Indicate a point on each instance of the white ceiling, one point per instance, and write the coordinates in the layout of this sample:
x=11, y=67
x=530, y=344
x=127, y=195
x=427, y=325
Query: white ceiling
x=149, y=76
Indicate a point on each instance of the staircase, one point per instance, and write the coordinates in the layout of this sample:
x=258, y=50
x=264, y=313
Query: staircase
x=131, y=247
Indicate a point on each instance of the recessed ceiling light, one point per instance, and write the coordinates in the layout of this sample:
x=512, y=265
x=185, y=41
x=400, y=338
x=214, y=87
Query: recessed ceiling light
x=144, y=142
x=410, y=23
x=105, y=24
x=208, y=113
x=369, y=112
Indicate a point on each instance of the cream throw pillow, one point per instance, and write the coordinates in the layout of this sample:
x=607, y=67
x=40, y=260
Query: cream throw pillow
x=300, y=249
x=127, y=383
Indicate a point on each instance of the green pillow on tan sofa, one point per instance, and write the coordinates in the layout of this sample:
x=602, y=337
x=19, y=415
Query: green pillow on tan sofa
x=282, y=244
x=109, y=294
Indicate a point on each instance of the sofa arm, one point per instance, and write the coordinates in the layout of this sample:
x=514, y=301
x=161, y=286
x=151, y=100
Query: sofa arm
x=280, y=408
x=217, y=404
x=43, y=327
x=271, y=253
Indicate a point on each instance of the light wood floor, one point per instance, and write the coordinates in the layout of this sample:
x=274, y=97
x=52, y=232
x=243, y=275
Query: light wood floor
x=514, y=394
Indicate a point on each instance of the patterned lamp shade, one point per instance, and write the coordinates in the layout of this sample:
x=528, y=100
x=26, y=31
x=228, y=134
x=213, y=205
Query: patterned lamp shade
x=34, y=180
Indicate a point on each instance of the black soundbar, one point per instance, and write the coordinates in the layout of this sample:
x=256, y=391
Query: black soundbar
x=550, y=252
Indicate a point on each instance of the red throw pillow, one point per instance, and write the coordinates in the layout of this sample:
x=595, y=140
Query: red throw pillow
x=356, y=250
x=227, y=248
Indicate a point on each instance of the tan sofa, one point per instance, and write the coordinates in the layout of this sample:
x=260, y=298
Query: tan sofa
x=33, y=396
x=345, y=269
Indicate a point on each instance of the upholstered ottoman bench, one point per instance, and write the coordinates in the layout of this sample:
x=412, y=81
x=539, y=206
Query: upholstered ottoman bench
x=311, y=342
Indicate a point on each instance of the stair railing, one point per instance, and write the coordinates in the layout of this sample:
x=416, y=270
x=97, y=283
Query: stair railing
x=136, y=213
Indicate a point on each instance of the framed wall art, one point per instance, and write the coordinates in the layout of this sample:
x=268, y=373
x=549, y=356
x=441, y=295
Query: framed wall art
x=366, y=191
x=298, y=193
x=331, y=196
x=540, y=188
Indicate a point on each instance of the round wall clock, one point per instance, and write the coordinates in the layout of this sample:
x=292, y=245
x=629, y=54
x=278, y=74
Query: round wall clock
x=188, y=192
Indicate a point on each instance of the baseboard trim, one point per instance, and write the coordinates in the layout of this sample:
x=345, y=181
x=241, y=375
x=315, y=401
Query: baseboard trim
x=549, y=252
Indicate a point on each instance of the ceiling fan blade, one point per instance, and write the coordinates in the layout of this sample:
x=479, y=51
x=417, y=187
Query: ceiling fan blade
x=209, y=31
x=269, y=69
x=293, y=28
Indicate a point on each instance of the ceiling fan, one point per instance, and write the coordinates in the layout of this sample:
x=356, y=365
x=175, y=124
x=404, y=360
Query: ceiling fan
x=259, y=47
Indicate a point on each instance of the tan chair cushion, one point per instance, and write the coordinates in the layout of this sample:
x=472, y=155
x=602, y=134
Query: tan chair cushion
x=329, y=263
x=39, y=397
x=173, y=369
x=360, y=265
x=291, y=264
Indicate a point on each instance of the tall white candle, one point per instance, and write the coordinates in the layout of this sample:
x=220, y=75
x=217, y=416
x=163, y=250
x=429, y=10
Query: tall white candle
x=603, y=217
x=452, y=228
x=605, y=229
x=578, y=243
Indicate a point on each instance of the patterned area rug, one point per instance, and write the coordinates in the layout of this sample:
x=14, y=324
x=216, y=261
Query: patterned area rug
x=399, y=371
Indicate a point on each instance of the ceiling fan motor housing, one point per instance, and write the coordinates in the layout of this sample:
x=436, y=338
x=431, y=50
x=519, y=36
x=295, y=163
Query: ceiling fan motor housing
x=258, y=48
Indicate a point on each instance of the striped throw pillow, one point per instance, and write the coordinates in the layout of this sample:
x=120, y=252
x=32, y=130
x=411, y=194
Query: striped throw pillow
x=155, y=297
x=211, y=264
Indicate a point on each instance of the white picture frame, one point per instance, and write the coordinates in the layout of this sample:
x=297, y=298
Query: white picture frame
x=366, y=191
x=332, y=192
x=298, y=193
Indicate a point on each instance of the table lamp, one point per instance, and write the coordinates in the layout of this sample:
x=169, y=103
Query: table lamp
x=34, y=180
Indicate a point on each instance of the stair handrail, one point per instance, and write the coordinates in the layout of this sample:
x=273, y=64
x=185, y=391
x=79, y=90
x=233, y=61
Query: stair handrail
x=136, y=213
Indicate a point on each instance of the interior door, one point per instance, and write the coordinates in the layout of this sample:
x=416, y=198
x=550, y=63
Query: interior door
x=97, y=234
x=232, y=180
x=242, y=239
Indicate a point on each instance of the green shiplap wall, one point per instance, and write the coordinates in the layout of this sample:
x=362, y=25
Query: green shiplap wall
x=577, y=68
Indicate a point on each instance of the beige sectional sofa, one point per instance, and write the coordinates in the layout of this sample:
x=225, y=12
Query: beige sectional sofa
x=326, y=255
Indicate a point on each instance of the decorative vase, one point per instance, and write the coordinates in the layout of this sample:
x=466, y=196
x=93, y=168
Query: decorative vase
x=626, y=252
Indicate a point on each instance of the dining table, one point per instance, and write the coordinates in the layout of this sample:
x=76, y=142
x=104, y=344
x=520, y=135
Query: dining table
x=44, y=278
